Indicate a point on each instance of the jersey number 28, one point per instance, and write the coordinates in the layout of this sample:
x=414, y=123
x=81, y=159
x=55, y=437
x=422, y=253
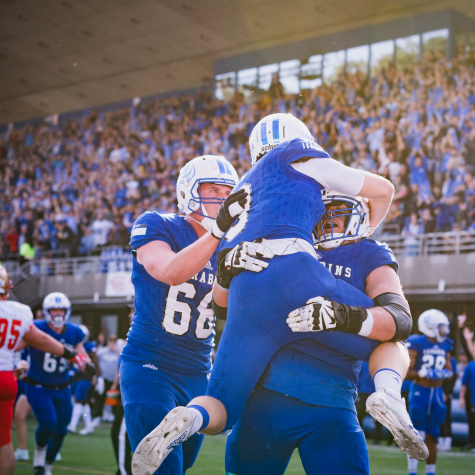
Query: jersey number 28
x=177, y=314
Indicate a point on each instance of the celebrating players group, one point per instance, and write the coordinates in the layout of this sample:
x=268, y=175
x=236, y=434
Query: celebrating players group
x=284, y=255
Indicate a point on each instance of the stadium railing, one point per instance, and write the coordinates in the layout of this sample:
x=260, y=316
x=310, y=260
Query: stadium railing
x=113, y=259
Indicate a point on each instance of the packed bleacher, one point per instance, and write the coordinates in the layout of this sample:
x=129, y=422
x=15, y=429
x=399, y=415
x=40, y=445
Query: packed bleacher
x=75, y=186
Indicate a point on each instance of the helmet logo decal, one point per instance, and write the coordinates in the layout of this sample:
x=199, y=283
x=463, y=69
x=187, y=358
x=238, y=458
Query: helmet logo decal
x=275, y=131
x=188, y=173
x=264, y=133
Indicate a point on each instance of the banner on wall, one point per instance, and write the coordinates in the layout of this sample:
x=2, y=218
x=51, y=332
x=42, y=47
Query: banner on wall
x=119, y=284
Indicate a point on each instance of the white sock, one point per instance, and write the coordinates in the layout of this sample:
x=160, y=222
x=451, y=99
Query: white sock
x=430, y=468
x=390, y=381
x=39, y=456
x=86, y=415
x=48, y=468
x=412, y=465
x=197, y=423
x=77, y=411
x=367, y=325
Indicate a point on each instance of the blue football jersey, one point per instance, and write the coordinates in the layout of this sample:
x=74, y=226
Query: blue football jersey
x=430, y=354
x=312, y=372
x=284, y=202
x=46, y=368
x=173, y=326
x=90, y=346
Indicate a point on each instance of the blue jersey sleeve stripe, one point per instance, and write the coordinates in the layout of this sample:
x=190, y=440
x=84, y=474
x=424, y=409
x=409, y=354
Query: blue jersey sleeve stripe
x=275, y=131
x=264, y=133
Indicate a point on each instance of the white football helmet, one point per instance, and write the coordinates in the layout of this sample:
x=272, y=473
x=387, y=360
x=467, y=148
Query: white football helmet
x=274, y=130
x=85, y=330
x=56, y=300
x=434, y=324
x=356, y=216
x=204, y=169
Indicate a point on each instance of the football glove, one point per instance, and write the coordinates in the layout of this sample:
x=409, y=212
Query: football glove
x=242, y=257
x=321, y=314
x=81, y=361
x=232, y=207
x=100, y=386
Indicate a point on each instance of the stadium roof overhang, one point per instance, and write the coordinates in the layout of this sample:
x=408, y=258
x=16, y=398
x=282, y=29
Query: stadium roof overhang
x=59, y=56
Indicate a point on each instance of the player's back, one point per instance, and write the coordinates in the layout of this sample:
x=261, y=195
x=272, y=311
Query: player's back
x=173, y=326
x=284, y=203
x=15, y=320
x=48, y=369
x=288, y=372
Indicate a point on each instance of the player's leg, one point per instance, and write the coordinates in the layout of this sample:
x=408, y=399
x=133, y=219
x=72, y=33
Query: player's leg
x=265, y=436
x=41, y=402
x=321, y=449
x=22, y=409
x=64, y=408
x=148, y=395
x=8, y=391
x=189, y=387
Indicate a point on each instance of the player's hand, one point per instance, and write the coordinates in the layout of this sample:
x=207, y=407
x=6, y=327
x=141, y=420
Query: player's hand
x=81, y=361
x=100, y=385
x=320, y=314
x=245, y=256
x=21, y=369
x=232, y=207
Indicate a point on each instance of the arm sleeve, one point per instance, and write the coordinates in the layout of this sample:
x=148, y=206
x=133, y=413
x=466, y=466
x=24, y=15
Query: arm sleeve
x=332, y=174
x=150, y=227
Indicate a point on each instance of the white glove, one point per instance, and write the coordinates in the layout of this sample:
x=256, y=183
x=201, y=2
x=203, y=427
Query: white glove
x=317, y=315
x=100, y=386
x=243, y=257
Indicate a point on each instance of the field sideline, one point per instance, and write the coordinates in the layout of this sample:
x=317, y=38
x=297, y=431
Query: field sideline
x=93, y=454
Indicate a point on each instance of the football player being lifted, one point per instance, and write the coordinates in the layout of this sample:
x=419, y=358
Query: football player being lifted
x=283, y=206
x=430, y=365
x=17, y=331
x=167, y=358
x=310, y=388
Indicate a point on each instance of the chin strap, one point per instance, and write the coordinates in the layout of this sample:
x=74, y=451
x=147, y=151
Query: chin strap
x=206, y=223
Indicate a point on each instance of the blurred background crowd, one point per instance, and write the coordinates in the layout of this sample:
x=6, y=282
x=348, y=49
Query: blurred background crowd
x=75, y=186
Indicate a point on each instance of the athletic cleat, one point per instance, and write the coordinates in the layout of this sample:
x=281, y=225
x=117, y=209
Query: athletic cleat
x=393, y=415
x=22, y=454
x=154, y=448
x=87, y=430
x=38, y=470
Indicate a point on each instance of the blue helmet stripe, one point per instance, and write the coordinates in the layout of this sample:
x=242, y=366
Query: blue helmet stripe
x=222, y=170
x=264, y=133
x=275, y=131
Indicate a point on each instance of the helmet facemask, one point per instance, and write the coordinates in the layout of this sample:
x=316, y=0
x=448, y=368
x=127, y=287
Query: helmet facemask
x=344, y=224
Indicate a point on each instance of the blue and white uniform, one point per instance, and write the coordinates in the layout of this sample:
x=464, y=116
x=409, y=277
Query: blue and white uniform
x=285, y=208
x=426, y=405
x=48, y=391
x=311, y=390
x=167, y=358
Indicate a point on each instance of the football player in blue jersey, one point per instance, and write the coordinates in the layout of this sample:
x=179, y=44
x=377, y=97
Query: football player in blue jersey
x=167, y=358
x=430, y=365
x=283, y=206
x=82, y=385
x=312, y=388
x=48, y=383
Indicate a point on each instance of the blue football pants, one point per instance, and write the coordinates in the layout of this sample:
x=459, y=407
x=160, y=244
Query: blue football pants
x=53, y=410
x=256, y=327
x=427, y=409
x=329, y=440
x=148, y=395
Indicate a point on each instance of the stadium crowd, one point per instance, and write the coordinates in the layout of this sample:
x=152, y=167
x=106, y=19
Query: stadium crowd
x=77, y=185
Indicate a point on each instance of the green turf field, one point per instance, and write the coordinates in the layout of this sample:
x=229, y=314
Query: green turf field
x=92, y=454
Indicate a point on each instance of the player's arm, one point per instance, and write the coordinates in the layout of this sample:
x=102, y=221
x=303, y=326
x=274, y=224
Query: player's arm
x=80, y=349
x=173, y=268
x=95, y=362
x=462, y=392
x=412, y=373
x=392, y=318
